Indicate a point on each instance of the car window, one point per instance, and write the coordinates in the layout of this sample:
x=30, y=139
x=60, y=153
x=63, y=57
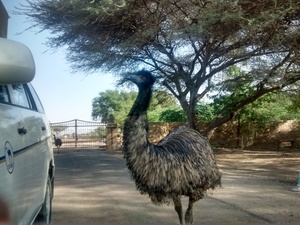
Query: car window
x=4, y=97
x=37, y=102
x=20, y=96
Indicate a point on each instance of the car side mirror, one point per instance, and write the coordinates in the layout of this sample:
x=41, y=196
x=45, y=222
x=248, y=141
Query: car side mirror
x=16, y=63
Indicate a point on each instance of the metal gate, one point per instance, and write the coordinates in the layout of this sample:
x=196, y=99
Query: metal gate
x=80, y=134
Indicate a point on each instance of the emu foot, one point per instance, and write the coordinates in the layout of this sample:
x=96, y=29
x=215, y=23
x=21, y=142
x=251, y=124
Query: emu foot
x=188, y=217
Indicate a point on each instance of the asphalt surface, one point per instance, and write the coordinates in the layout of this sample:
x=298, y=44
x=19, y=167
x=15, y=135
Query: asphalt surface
x=94, y=187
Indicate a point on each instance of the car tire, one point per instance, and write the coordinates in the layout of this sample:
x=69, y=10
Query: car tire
x=44, y=216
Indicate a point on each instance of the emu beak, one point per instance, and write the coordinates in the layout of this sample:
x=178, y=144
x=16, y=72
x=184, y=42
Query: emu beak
x=131, y=76
x=127, y=77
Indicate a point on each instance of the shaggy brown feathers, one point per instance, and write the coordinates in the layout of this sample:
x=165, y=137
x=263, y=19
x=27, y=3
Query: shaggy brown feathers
x=180, y=164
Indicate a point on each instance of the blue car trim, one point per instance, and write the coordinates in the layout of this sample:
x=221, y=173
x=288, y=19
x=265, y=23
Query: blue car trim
x=22, y=150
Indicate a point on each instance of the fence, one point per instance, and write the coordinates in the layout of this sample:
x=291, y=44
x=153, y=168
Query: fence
x=80, y=134
x=85, y=134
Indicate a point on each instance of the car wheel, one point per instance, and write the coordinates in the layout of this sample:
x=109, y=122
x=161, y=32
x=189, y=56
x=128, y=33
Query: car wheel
x=44, y=216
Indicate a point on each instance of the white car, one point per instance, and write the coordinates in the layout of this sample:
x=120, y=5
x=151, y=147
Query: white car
x=26, y=153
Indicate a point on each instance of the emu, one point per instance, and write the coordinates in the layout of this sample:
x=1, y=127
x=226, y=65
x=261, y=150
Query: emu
x=182, y=164
x=57, y=142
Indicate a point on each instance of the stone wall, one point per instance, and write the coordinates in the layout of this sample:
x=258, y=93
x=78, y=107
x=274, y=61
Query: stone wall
x=249, y=136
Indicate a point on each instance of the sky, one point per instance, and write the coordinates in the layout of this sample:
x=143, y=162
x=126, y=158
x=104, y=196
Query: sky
x=65, y=95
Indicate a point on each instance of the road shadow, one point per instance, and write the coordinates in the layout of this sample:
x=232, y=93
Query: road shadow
x=94, y=187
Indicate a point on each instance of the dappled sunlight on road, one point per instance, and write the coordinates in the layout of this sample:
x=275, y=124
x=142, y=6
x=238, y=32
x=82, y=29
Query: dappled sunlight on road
x=95, y=188
x=99, y=194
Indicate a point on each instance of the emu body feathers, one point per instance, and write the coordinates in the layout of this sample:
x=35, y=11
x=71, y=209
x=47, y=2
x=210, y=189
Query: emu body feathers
x=173, y=167
x=180, y=164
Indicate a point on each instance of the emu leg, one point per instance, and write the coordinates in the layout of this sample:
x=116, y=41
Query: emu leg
x=189, y=212
x=178, y=208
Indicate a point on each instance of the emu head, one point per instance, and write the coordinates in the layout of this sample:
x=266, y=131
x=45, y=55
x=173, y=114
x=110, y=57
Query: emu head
x=141, y=78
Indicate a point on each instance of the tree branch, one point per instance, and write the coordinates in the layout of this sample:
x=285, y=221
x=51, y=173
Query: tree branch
x=235, y=107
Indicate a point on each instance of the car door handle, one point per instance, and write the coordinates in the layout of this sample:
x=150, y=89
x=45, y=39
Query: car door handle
x=22, y=130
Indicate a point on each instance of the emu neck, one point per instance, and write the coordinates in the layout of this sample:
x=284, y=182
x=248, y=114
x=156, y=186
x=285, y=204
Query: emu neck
x=136, y=124
x=142, y=102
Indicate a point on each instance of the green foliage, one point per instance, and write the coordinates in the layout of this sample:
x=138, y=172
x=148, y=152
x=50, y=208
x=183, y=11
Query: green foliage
x=271, y=107
x=205, y=112
x=236, y=87
x=295, y=98
x=161, y=100
x=118, y=104
x=154, y=115
x=99, y=132
x=239, y=95
x=175, y=114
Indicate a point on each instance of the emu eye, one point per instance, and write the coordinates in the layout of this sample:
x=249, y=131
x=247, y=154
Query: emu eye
x=143, y=78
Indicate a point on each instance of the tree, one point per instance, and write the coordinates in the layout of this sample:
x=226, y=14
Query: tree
x=186, y=43
x=271, y=107
x=112, y=102
x=118, y=104
x=174, y=114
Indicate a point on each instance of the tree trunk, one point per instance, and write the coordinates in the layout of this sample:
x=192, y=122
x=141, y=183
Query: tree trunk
x=216, y=123
x=190, y=113
x=239, y=142
x=192, y=119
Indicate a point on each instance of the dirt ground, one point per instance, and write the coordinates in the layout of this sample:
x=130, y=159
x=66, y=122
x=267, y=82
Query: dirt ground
x=281, y=165
x=256, y=190
x=259, y=183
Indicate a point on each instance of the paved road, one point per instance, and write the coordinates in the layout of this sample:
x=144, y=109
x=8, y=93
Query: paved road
x=93, y=187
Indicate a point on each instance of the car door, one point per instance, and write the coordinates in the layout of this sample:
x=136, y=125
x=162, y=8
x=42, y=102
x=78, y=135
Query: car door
x=35, y=133
x=39, y=138
x=13, y=184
